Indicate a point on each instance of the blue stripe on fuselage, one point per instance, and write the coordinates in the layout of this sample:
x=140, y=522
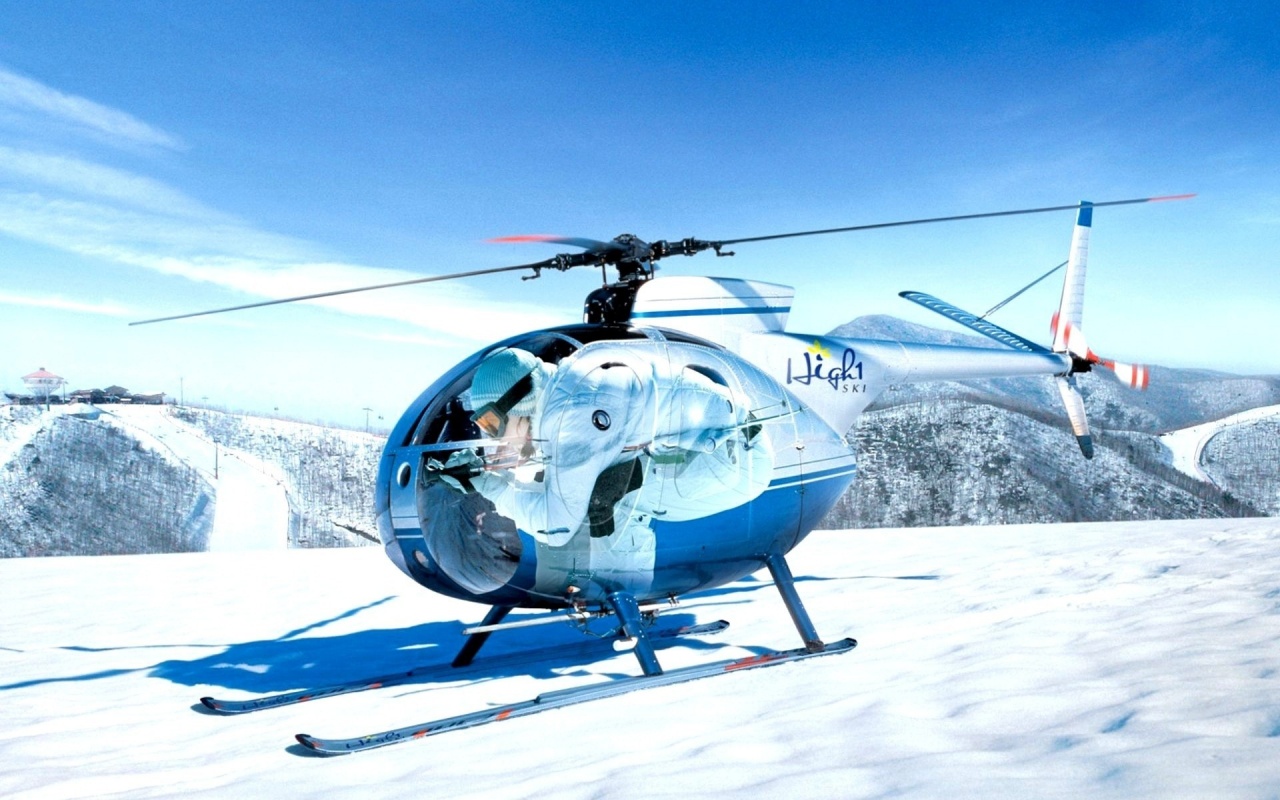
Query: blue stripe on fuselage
x=820, y=475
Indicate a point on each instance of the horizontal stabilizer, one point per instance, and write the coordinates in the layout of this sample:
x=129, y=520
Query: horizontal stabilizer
x=973, y=322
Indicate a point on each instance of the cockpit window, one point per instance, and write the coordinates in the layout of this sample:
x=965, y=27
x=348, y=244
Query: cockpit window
x=447, y=417
x=590, y=443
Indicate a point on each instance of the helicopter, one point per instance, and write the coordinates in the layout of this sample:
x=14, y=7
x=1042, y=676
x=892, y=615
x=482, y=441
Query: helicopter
x=679, y=438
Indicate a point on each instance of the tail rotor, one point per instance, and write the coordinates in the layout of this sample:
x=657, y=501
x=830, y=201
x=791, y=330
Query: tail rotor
x=1069, y=338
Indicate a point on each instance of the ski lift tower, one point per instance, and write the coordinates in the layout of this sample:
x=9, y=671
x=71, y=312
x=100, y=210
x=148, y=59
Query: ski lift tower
x=42, y=383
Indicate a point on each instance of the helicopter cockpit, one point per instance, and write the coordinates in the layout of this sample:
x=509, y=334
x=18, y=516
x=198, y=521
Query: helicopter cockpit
x=635, y=427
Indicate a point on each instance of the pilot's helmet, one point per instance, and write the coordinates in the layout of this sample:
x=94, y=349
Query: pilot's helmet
x=503, y=369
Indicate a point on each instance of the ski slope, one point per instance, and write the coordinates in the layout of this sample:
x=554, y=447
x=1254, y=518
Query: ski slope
x=1086, y=660
x=1187, y=444
x=251, y=510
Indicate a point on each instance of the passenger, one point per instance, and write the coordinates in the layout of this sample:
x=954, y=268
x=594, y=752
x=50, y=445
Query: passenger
x=585, y=434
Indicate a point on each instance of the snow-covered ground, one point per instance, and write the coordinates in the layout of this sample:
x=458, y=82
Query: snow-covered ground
x=251, y=511
x=1086, y=660
x=21, y=431
x=1187, y=444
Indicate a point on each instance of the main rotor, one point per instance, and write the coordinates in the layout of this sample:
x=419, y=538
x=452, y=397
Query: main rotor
x=634, y=258
x=630, y=255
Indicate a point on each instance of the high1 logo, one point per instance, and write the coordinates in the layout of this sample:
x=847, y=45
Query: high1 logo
x=817, y=365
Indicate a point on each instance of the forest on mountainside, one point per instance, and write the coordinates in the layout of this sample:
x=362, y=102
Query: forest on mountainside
x=954, y=462
x=81, y=487
x=1246, y=458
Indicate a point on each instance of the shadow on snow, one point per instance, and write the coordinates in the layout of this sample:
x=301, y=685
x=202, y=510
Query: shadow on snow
x=299, y=659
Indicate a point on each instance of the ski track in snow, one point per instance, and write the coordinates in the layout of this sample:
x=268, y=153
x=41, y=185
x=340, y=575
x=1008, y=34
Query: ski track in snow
x=251, y=510
x=1084, y=660
x=1187, y=444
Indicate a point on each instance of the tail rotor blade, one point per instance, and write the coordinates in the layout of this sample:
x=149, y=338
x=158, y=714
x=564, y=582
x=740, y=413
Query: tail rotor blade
x=1135, y=376
x=1074, y=403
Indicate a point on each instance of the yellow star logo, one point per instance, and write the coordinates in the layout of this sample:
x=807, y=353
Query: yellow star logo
x=818, y=350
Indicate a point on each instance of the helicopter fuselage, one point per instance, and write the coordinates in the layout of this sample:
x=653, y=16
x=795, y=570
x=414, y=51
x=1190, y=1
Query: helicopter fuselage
x=690, y=519
x=688, y=527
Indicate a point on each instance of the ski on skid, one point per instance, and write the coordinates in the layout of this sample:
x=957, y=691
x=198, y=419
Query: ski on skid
x=563, y=697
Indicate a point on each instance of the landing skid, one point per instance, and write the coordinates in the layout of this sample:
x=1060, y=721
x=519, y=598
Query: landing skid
x=632, y=626
x=564, y=697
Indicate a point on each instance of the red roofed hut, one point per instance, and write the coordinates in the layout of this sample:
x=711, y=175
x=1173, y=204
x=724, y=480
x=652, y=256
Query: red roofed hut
x=42, y=384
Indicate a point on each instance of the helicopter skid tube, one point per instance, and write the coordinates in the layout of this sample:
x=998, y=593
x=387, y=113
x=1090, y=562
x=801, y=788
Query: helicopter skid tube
x=564, y=697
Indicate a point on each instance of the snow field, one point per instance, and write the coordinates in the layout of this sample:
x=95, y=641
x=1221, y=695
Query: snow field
x=1100, y=660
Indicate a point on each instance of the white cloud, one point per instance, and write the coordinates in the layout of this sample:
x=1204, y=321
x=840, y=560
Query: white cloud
x=261, y=265
x=25, y=95
x=74, y=205
x=94, y=227
x=66, y=174
x=57, y=303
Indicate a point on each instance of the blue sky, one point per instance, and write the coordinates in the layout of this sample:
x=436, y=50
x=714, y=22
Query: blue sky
x=157, y=158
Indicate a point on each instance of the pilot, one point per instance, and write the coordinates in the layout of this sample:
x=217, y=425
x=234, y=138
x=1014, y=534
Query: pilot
x=504, y=394
x=589, y=431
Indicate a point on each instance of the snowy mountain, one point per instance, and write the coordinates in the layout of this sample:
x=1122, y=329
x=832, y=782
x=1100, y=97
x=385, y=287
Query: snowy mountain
x=329, y=472
x=73, y=486
x=1081, y=660
x=1246, y=459
x=950, y=462
x=999, y=451
x=149, y=479
x=154, y=479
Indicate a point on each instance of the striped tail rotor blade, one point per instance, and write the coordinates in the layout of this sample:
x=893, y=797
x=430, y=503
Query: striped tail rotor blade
x=1135, y=376
x=1071, y=307
x=1074, y=404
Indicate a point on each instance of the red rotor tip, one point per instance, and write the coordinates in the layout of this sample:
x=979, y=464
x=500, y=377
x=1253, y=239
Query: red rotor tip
x=527, y=237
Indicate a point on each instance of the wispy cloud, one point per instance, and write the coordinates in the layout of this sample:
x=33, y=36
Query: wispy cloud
x=56, y=303
x=27, y=96
x=257, y=264
x=67, y=202
x=76, y=176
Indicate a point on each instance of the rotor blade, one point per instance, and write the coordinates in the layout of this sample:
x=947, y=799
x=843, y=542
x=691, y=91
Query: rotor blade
x=1135, y=376
x=1074, y=404
x=958, y=217
x=451, y=276
x=1014, y=296
x=572, y=241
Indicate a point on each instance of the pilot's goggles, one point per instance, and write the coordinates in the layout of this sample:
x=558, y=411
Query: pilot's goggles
x=492, y=417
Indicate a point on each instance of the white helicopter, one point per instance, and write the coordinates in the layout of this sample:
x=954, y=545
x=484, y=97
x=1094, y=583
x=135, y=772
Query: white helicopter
x=678, y=439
